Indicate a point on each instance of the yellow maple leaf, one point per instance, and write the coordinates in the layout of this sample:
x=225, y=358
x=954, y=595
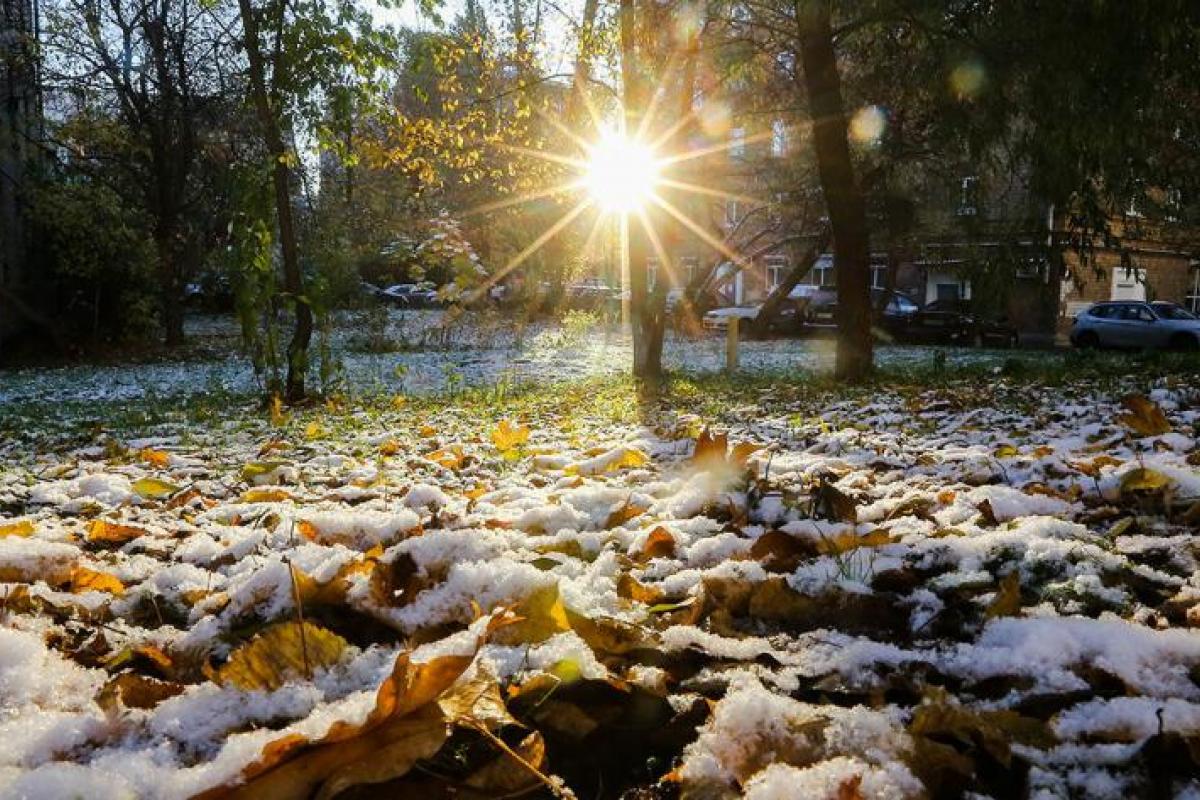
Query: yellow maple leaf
x=449, y=457
x=153, y=488
x=265, y=496
x=283, y=652
x=508, y=437
x=156, y=458
x=113, y=532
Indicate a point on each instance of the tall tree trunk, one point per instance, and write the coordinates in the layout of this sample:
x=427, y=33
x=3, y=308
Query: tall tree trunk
x=170, y=286
x=637, y=250
x=843, y=195
x=293, y=280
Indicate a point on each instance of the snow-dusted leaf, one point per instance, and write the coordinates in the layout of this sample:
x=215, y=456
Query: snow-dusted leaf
x=1143, y=416
x=154, y=488
x=21, y=527
x=283, y=652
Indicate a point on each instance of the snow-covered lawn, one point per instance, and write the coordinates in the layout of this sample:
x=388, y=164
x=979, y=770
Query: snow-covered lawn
x=891, y=592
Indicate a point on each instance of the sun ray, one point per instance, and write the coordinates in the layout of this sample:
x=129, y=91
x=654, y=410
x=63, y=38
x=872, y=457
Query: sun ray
x=695, y=228
x=583, y=144
x=660, y=251
x=593, y=234
x=527, y=197
x=656, y=98
x=554, y=158
x=670, y=132
x=700, y=152
x=532, y=247
x=704, y=190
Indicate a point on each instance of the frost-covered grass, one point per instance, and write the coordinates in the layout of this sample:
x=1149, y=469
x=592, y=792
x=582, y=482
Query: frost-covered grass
x=951, y=578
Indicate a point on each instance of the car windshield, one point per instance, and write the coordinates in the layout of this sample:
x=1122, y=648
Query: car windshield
x=1172, y=311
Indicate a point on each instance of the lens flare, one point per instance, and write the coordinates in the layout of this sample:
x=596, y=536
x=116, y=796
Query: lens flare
x=621, y=174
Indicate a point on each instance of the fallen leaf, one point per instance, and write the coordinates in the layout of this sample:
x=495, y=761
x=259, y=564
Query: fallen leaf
x=540, y=616
x=659, y=544
x=21, y=528
x=263, y=495
x=1007, y=602
x=1145, y=480
x=113, y=533
x=508, y=437
x=624, y=513
x=155, y=458
x=1144, y=417
x=283, y=652
x=153, y=488
x=132, y=690
x=89, y=580
x=451, y=457
x=849, y=540
x=506, y=774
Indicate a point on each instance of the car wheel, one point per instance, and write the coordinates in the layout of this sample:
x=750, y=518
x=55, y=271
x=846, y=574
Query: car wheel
x=1184, y=342
x=1088, y=340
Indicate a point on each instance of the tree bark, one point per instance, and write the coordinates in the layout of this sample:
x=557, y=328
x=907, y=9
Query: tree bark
x=637, y=250
x=843, y=195
x=293, y=279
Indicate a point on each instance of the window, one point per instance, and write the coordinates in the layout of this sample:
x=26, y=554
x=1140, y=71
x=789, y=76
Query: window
x=947, y=291
x=777, y=269
x=1136, y=313
x=779, y=138
x=1129, y=283
x=968, y=200
x=1103, y=311
x=822, y=273
x=689, y=265
x=731, y=212
x=737, y=142
x=879, y=276
x=1193, y=293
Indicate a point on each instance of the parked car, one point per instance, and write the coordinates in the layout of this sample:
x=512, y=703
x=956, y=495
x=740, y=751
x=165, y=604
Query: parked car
x=588, y=295
x=789, y=320
x=1128, y=324
x=893, y=318
x=412, y=295
x=954, y=322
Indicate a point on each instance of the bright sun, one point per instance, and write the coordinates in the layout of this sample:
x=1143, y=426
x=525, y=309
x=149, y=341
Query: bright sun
x=621, y=174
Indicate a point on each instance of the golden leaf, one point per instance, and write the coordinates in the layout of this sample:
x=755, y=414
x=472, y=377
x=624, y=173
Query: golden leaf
x=389, y=447
x=507, y=436
x=280, y=653
x=849, y=540
x=313, y=430
x=113, y=533
x=1006, y=451
x=136, y=691
x=506, y=775
x=1007, y=602
x=540, y=616
x=265, y=496
x=1144, y=479
x=153, y=488
x=1144, y=417
x=156, y=458
x=21, y=527
x=88, y=580
x=451, y=457
x=624, y=513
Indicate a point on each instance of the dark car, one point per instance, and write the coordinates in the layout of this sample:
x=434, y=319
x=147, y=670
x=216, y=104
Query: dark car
x=412, y=295
x=954, y=322
x=891, y=311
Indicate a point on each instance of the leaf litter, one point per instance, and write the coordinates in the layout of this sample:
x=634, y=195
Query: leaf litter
x=915, y=593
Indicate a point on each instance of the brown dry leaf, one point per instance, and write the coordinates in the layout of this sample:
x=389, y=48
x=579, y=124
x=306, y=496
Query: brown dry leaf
x=89, y=580
x=849, y=540
x=540, y=616
x=132, y=690
x=479, y=699
x=1007, y=602
x=389, y=447
x=506, y=775
x=836, y=504
x=265, y=495
x=941, y=717
x=780, y=552
x=946, y=496
x=113, y=532
x=659, y=544
x=710, y=450
x=1144, y=417
x=987, y=513
x=183, y=498
x=280, y=653
x=850, y=789
x=21, y=527
x=624, y=513
x=155, y=458
x=607, y=635
x=307, y=530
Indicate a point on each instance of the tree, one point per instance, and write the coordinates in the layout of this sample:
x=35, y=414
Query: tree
x=300, y=55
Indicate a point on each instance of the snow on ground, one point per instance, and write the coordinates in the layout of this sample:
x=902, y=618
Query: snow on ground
x=899, y=593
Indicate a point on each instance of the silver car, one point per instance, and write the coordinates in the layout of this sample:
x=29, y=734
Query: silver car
x=1130, y=324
